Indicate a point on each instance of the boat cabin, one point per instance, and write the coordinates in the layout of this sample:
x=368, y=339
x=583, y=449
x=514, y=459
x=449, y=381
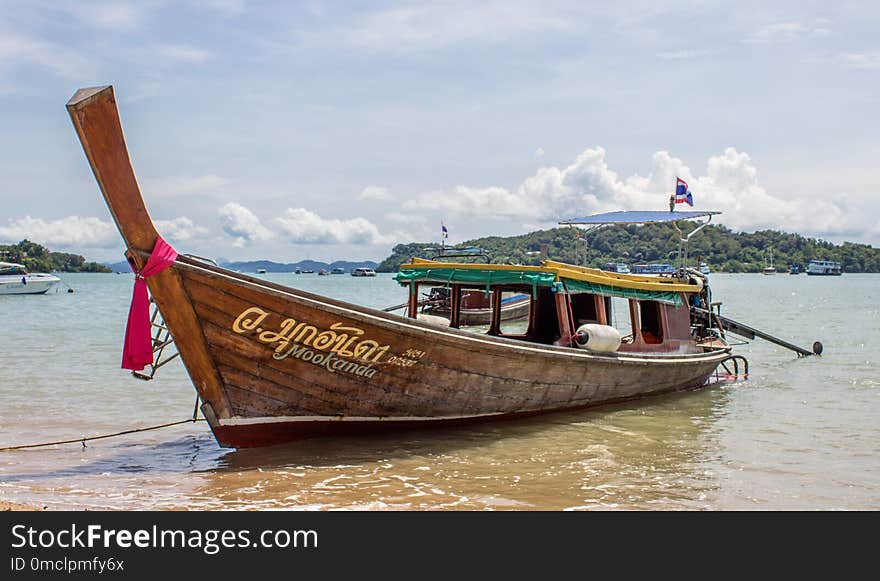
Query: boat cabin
x=12, y=269
x=648, y=313
x=824, y=267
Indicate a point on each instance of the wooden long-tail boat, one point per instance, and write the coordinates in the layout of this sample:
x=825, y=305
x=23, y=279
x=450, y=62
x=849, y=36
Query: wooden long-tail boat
x=273, y=364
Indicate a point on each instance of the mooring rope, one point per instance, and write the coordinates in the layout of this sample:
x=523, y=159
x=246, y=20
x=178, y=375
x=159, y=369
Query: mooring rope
x=83, y=440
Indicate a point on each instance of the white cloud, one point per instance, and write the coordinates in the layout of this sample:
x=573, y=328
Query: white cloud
x=228, y=7
x=179, y=229
x=588, y=186
x=789, y=31
x=375, y=193
x=405, y=218
x=181, y=186
x=64, y=233
x=681, y=54
x=854, y=60
x=110, y=14
x=18, y=50
x=539, y=153
x=433, y=26
x=242, y=224
x=305, y=227
x=183, y=53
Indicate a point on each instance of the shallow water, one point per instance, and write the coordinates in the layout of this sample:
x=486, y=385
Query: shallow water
x=799, y=434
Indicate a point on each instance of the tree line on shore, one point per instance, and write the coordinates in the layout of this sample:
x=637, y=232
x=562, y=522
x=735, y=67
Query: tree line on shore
x=38, y=258
x=721, y=248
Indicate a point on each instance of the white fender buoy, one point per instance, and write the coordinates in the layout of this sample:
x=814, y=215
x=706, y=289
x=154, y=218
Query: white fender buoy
x=433, y=319
x=597, y=337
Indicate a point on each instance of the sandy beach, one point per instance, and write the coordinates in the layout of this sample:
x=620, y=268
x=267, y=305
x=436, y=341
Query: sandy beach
x=15, y=506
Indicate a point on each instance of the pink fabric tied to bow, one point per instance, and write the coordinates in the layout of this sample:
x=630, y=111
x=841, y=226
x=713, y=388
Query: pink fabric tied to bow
x=138, y=349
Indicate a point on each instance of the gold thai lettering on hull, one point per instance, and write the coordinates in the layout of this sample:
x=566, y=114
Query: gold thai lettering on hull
x=339, y=348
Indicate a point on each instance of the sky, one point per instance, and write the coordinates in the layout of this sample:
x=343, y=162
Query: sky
x=335, y=130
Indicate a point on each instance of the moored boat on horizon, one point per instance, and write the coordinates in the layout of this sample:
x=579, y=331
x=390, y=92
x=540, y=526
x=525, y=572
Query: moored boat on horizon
x=824, y=268
x=16, y=280
x=768, y=264
x=476, y=307
x=653, y=269
x=618, y=267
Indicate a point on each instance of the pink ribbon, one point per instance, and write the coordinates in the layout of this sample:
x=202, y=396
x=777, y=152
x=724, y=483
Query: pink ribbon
x=137, y=352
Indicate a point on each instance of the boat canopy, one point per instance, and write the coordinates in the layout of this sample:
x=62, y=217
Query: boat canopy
x=634, y=217
x=12, y=268
x=574, y=279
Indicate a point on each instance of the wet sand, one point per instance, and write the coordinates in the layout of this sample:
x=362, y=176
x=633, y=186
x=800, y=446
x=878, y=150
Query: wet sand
x=15, y=506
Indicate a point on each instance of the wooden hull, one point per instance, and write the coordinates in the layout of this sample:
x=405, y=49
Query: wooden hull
x=283, y=381
x=273, y=364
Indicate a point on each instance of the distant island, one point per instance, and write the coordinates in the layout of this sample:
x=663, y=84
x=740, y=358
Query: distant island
x=253, y=266
x=38, y=258
x=721, y=248
x=269, y=266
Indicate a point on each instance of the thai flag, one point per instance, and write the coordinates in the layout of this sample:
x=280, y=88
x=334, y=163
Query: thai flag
x=682, y=194
x=445, y=231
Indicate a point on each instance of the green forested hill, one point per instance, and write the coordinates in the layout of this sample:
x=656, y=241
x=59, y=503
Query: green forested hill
x=38, y=258
x=723, y=249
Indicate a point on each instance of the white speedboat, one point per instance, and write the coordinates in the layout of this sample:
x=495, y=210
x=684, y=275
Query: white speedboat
x=16, y=280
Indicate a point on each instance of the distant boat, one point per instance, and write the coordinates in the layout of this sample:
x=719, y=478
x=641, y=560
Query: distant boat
x=653, y=269
x=824, y=268
x=337, y=270
x=323, y=272
x=16, y=280
x=308, y=271
x=618, y=267
x=794, y=269
x=297, y=271
x=704, y=268
x=363, y=271
x=768, y=263
x=476, y=307
x=261, y=271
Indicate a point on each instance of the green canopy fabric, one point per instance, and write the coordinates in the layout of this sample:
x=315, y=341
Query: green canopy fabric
x=533, y=278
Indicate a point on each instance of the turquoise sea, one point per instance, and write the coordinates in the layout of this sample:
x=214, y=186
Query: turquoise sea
x=798, y=434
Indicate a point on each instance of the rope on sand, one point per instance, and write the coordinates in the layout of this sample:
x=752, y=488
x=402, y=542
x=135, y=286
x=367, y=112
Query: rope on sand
x=84, y=439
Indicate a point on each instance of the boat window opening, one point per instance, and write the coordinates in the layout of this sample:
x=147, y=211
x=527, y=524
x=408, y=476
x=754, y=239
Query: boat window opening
x=650, y=322
x=545, y=319
x=619, y=317
x=584, y=309
x=515, y=324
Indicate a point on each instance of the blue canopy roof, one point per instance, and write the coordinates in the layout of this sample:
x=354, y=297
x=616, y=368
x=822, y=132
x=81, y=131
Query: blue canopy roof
x=635, y=217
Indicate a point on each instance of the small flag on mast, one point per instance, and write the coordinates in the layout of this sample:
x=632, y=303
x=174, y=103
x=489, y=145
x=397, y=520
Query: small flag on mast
x=682, y=194
x=444, y=230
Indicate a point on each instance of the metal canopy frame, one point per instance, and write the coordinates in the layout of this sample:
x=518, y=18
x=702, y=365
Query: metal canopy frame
x=597, y=221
